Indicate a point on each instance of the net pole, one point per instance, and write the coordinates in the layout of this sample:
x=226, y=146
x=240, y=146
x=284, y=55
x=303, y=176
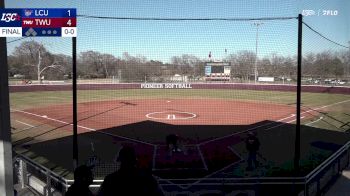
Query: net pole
x=6, y=166
x=298, y=126
x=75, y=115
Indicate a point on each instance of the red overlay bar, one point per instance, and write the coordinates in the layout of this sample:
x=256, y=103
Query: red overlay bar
x=49, y=22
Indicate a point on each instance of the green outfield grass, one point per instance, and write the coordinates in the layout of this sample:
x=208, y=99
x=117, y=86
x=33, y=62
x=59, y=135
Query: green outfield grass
x=24, y=100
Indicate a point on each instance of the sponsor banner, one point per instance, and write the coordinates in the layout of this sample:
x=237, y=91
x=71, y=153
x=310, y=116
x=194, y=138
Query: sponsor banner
x=266, y=79
x=166, y=85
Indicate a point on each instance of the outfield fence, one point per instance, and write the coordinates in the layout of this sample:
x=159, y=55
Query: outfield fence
x=228, y=86
x=46, y=182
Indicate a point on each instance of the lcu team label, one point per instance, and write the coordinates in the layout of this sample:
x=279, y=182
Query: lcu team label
x=48, y=13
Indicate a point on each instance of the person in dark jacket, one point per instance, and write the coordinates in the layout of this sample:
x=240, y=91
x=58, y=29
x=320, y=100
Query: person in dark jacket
x=252, y=145
x=129, y=180
x=82, y=179
x=172, y=142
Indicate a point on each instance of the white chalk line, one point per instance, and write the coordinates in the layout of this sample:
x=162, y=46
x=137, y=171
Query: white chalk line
x=202, y=158
x=244, y=131
x=171, y=115
x=283, y=124
x=154, y=157
x=315, y=121
x=29, y=125
x=310, y=110
x=83, y=127
x=292, y=115
x=280, y=120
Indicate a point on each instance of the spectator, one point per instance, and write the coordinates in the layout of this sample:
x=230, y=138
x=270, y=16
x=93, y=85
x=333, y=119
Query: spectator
x=82, y=179
x=129, y=180
x=172, y=142
x=252, y=145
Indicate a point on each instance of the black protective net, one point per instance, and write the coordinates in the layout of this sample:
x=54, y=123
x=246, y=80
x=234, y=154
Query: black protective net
x=147, y=73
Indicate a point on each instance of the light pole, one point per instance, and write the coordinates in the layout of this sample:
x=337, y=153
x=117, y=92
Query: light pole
x=257, y=24
x=348, y=67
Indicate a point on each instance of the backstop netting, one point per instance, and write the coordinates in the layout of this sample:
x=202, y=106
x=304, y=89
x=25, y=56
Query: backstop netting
x=207, y=80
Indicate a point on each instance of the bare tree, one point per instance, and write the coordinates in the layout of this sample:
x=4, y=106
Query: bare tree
x=188, y=65
x=244, y=64
x=34, y=54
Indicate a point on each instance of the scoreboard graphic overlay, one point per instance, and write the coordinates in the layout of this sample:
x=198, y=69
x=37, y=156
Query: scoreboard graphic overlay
x=217, y=71
x=38, y=22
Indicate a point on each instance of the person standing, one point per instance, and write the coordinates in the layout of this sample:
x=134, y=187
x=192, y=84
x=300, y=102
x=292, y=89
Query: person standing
x=83, y=177
x=172, y=141
x=252, y=145
x=129, y=180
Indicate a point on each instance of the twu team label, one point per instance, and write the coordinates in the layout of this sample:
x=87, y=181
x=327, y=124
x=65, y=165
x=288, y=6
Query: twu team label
x=49, y=22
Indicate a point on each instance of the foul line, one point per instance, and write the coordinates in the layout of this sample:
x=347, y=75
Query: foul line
x=202, y=157
x=154, y=157
x=29, y=125
x=292, y=115
x=283, y=124
x=315, y=121
x=52, y=119
x=83, y=127
x=240, y=132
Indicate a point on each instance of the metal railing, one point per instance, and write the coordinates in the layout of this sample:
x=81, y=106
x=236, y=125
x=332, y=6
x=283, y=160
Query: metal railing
x=46, y=182
x=38, y=178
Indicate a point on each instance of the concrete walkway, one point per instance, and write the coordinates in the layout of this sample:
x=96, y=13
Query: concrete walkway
x=342, y=186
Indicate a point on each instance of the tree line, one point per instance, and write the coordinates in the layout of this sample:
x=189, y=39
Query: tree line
x=33, y=61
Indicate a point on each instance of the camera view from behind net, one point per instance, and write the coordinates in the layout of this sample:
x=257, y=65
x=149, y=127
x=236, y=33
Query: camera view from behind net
x=202, y=91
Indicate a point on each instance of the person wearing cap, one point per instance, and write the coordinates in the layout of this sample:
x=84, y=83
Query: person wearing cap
x=252, y=145
x=82, y=179
x=129, y=180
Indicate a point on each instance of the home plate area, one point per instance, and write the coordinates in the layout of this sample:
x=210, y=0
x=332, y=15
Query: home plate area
x=192, y=161
x=184, y=163
x=186, y=157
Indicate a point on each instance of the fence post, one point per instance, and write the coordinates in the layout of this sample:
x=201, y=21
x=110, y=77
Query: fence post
x=306, y=191
x=66, y=186
x=22, y=172
x=348, y=159
x=48, y=183
x=298, y=111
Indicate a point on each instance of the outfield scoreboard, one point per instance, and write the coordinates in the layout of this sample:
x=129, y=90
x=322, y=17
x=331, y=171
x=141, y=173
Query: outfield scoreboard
x=217, y=71
x=38, y=22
